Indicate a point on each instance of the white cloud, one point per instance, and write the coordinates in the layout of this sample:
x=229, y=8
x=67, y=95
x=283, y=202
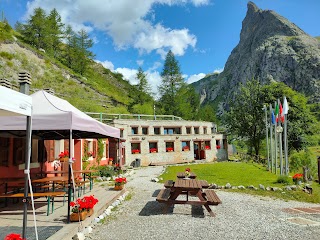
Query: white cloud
x=195, y=77
x=106, y=64
x=129, y=74
x=218, y=70
x=140, y=62
x=124, y=21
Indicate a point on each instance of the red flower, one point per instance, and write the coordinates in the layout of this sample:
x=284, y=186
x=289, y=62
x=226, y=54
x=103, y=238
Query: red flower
x=120, y=181
x=135, y=151
x=64, y=154
x=188, y=170
x=13, y=236
x=83, y=204
x=169, y=149
x=218, y=147
x=208, y=147
x=297, y=176
x=153, y=150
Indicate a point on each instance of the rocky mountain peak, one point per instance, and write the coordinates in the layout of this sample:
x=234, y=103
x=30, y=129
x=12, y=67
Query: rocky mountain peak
x=271, y=48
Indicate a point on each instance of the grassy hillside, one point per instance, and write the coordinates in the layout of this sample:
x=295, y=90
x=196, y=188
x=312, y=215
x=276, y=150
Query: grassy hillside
x=99, y=90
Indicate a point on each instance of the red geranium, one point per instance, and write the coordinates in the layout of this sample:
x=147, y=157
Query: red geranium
x=64, y=154
x=169, y=149
x=218, y=147
x=153, y=150
x=13, y=236
x=120, y=181
x=83, y=204
x=135, y=151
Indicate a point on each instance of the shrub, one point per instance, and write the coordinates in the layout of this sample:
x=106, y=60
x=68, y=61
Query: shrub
x=106, y=171
x=284, y=180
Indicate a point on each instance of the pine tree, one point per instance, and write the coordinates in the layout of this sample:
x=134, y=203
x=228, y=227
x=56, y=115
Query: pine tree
x=35, y=30
x=54, y=33
x=82, y=53
x=143, y=87
x=171, y=83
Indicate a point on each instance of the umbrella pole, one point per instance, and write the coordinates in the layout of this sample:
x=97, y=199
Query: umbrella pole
x=26, y=179
x=69, y=176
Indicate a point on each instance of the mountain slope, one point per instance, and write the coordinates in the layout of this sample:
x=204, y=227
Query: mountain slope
x=99, y=90
x=270, y=49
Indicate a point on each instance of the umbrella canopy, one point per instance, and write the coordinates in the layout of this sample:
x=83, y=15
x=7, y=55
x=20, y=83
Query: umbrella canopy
x=13, y=103
x=53, y=118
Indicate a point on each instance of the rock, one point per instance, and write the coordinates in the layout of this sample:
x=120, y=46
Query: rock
x=274, y=189
x=213, y=186
x=241, y=187
x=154, y=180
x=78, y=236
x=261, y=187
x=250, y=187
x=271, y=49
x=268, y=188
x=228, y=186
x=287, y=188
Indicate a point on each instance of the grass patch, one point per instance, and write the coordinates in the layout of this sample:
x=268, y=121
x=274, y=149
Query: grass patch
x=244, y=174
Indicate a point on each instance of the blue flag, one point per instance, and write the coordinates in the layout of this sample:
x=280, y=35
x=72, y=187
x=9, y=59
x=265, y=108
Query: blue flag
x=273, y=118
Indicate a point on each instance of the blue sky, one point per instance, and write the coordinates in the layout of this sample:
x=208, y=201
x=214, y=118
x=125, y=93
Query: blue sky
x=133, y=33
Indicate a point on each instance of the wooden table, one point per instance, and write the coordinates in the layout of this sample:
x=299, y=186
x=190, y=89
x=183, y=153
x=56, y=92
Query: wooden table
x=52, y=180
x=189, y=187
x=183, y=175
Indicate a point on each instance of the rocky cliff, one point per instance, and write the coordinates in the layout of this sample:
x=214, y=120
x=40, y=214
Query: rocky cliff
x=271, y=48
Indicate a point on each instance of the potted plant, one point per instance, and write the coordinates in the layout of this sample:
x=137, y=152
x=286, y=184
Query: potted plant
x=13, y=236
x=187, y=172
x=207, y=148
x=297, y=178
x=119, y=183
x=218, y=147
x=186, y=148
x=169, y=149
x=135, y=151
x=153, y=150
x=64, y=156
x=90, y=202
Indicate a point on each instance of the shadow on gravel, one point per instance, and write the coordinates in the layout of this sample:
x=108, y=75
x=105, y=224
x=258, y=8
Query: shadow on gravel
x=154, y=208
x=197, y=211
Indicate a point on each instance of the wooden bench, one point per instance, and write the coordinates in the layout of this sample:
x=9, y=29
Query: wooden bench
x=212, y=197
x=49, y=195
x=163, y=195
x=168, y=184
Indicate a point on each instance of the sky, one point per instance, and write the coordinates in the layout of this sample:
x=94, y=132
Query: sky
x=129, y=34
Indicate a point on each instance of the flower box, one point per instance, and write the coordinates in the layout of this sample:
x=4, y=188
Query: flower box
x=169, y=149
x=207, y=147
x=135, y=151
x=75, y=217
x=153, y=150
x=118, y=187
x=218, y=147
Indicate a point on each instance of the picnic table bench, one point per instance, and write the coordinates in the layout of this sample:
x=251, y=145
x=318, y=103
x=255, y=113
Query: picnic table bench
x=188, y=187
x=49, y=195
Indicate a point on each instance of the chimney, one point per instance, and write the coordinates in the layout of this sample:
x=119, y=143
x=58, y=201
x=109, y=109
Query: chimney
x=5, y=83
x=25, y=82
x=49, y=90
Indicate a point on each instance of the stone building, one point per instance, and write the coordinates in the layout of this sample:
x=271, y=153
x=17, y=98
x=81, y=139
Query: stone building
x=159, y=142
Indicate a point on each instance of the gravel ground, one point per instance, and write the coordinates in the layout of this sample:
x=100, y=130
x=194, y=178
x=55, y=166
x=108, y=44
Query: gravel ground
x=240, y=216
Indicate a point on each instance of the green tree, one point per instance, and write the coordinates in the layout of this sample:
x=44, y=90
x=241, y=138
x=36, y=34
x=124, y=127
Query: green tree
x=83, y=54
x=69, y=56
x=188, y=102
x=171, y=83
x=34, y=31
x=143, y=87
x=54, y=33
x=305, y=162
x=245, y=116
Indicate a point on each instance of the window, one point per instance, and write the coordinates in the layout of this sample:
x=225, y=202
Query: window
x=4, y=151
x=196, y=130
x=185, y=146
x=19, y=150
x=135, y=148
x=207, y=145
x=218, y=144
x=153, y=147
x=188, y=130
x=168, y=131
x=145, y=131
x=121, y=133
x=213, y=130
x=169, y=146
x=204, y=130
x=156, y=131
x=134, y=130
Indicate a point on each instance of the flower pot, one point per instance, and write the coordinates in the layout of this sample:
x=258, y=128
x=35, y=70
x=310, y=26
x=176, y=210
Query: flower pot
x=118, y=187
x=64, y=159
x=74, y=217
x=89, y=212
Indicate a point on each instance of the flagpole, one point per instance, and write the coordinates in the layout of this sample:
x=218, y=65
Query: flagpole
x=266, y=117
x=275, y=139
x=280, y=138
x=285, y=112
x=271, y=143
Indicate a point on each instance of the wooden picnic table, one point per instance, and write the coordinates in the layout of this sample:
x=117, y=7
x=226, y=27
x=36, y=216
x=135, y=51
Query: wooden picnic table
x=189, y=187
x=183, y=175
x=53, y=180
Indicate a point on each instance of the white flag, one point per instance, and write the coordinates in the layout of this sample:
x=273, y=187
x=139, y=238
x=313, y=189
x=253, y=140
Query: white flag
x=285, y=106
